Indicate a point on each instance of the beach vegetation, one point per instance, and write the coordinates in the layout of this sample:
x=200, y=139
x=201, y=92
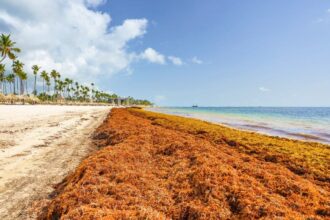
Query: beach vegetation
x=157, y=166
x=309, y=159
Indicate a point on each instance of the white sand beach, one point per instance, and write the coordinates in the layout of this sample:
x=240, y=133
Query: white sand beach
x=39, y=146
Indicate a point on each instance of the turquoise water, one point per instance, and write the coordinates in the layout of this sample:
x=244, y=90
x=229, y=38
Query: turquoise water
x=306, y=123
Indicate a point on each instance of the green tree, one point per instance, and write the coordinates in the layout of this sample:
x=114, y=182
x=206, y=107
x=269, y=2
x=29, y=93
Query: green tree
x=35, y=69
x=24, y=77
x=44, y=76
x=55, y=75
x=17, y=70
x=7, y=48
x=47, y=79
x=11, y=80
x=2, y=77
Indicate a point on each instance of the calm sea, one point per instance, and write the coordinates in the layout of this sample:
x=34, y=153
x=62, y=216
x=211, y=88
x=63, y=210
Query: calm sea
x=305, y=123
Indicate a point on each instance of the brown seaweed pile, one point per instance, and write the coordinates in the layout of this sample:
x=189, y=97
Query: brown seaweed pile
x=150, y=170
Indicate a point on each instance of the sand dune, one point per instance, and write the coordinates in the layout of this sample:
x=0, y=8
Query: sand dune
x=39, y=145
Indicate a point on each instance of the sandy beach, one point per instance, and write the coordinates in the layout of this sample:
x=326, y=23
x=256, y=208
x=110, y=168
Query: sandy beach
x=39, y=146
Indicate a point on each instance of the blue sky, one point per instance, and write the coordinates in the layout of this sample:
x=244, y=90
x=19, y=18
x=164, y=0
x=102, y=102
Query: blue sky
x=273, y=53
x=228, y=53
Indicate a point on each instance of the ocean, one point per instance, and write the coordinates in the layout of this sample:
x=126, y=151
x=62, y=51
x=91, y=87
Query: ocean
x=304, y=123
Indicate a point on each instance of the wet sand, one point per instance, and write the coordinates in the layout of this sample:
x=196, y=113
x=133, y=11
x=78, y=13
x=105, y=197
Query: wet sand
x=39, y=146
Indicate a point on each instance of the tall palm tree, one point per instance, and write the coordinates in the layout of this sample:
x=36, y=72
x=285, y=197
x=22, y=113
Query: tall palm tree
x=35, y=69
x=20, y=75
x=44, y=76
x=7, y=48
x=70, y=87
x=92, y=91
x=2, y=77
x=54, y=74
x=58, y=86
x=17, y=69
x=73, y=90
x=67, y=82
x=48, y=84
x=77, y=90
x=11, y=80
x=24, y=79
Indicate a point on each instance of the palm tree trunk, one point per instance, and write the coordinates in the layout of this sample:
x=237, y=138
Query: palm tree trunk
x=14, y=85
x=17, y=86
x=35, y=85
x=21, y=87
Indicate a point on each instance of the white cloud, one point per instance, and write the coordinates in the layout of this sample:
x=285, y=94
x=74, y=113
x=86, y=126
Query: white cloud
x=263, y=89
x=71, y=37
x=153, y=56
x=175, y=60
x=196, y=60
x=328, y=10
x=95, y=3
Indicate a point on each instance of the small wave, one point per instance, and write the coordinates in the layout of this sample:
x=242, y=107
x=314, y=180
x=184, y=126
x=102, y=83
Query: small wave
x=316, y=136
x=276, y=127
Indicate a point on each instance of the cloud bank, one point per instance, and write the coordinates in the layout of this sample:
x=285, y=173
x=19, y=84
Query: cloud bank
x=73, y=37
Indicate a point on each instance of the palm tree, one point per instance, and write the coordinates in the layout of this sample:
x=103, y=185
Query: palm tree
x=44, y=76
x=35, y=69
x=67, y=83
x=48, y=83
x=2, y=77
x=11, y=80
x=92, y=91
x=77, y=90
x=85, y=92
x=24, y=79
x=73, y=92
x=58, y=86
x=54, y=74
x=7, y=47
x=17, y=69
x=20, y=75
x=70, y=87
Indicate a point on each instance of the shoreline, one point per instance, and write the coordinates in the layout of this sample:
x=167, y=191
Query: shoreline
x=154, y=165
x=256, y=127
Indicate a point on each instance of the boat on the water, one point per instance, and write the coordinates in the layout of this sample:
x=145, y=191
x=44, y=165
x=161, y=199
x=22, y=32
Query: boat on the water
x=195, y=106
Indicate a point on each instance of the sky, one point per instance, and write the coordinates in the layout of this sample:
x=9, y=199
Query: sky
x=180, y=53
